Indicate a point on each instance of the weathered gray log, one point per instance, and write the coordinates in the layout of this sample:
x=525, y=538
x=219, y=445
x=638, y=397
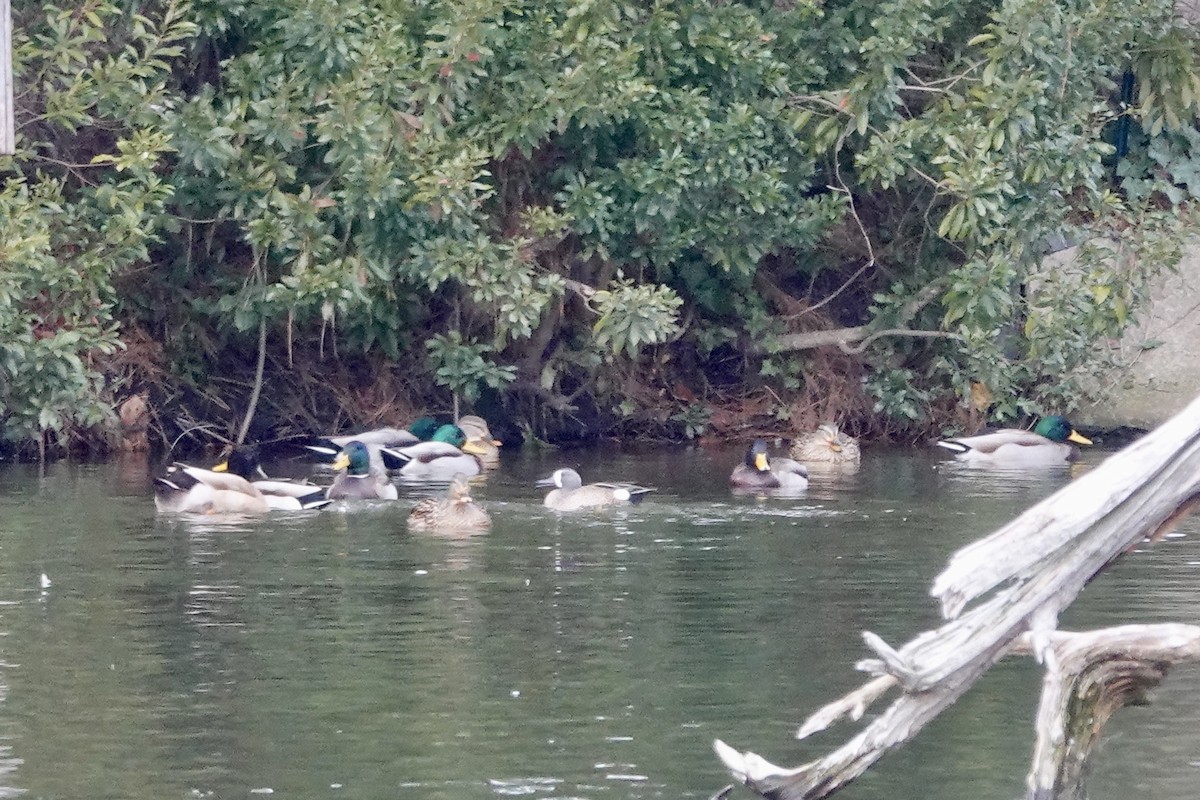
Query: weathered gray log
x=1098, y=673
x=1033, y=567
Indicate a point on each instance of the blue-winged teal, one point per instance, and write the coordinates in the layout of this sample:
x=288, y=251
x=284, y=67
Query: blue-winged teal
x=569, y=493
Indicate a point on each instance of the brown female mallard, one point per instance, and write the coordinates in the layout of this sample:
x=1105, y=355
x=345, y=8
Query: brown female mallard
x=825, y=445
x=457, y=511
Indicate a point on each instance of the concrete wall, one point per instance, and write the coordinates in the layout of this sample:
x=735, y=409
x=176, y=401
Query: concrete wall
x=1163, y=351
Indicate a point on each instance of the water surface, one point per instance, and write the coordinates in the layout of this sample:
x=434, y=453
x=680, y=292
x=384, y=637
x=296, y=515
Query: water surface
x=333, y=654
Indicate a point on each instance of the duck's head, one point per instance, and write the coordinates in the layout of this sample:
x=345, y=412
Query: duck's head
x=1057, y=429
x=459, y=492
x=831, y=435
x=476, y=428
x=354, y=458
x=242, y=461
x=562, y=479
x=449, y=434
x=424, y=428
x=756, y=457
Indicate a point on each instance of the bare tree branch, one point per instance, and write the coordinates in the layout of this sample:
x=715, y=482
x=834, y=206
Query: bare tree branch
x=864, y=334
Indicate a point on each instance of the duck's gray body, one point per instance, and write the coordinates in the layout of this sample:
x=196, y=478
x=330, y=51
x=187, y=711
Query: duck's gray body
x=372, y=486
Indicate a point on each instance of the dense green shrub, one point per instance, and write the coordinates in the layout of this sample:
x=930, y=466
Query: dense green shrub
x=81, y=200
x=631, y=206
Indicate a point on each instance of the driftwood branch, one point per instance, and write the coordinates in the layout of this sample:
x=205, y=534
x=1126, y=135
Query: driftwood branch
x=1021, y=577
x=853, y=705
x=1098, y=673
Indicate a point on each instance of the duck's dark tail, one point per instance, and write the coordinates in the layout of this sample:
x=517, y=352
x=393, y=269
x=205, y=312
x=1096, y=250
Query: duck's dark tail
x=315, y=500
x=637, y=493
x=394, y=459
x=320, y=448
x=175, y=480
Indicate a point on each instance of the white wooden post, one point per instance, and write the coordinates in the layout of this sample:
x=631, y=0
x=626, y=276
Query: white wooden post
x=7, y=120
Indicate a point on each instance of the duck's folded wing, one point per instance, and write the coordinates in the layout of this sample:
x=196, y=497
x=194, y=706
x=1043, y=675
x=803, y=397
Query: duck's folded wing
x=423, y=451
x=326, y=448
x=631, y=488
x=221, y=481
x=381, y=437
x=991, y=442
x=286, y=488
x=291, y=496
x=789, y=465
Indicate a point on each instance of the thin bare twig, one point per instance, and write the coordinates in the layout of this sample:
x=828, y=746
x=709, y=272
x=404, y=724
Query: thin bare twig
x=258, y=380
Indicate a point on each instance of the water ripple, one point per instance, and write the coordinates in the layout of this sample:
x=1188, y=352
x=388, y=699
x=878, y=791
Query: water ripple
x=512, y=787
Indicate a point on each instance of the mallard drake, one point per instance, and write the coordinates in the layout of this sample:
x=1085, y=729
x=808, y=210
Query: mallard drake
x=826, y=445
x=328, y=447
x=226, y=488
x=569, y=493
x=454, y=512
x=1048, y=443
x=361, y=480
x=439, y=459
x=757, y=471
x=484, y=445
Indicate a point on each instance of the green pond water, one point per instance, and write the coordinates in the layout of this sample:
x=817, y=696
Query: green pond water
x=335, y=655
